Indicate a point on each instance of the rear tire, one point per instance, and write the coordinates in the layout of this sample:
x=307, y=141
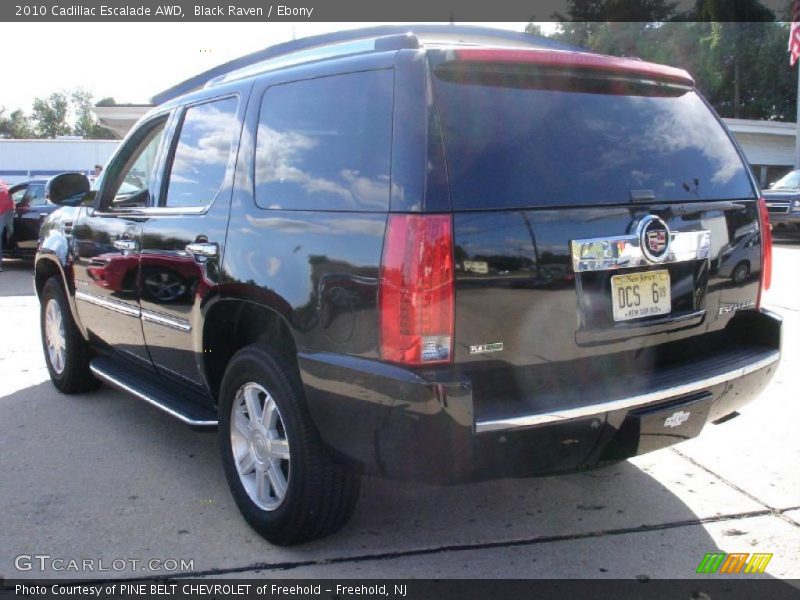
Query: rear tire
x=288, y=485
x=66, y=353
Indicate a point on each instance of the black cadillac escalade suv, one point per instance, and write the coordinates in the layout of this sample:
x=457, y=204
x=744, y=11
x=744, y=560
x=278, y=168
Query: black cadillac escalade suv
x=427, y=262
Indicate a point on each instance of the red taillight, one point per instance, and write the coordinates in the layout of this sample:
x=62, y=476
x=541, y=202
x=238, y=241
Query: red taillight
x=416, y=290
x=766, y=248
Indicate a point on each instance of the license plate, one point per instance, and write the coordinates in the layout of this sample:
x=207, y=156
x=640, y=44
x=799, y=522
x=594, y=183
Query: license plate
x=637, y=295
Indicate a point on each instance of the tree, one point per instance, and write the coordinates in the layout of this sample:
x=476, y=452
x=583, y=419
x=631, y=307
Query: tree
x=15, y=126
x=734, y=49
x=735, y=34
x=586, y=19
x=86, y=125
x=535, y=29
x=82, y=108
x=50, y=116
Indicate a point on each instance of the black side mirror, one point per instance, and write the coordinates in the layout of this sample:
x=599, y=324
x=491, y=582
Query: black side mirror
x=68, y=189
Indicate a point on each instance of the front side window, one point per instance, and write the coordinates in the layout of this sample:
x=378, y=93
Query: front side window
x=132, y=173
x=325, y=144
x=35, y=195
x=202, y=156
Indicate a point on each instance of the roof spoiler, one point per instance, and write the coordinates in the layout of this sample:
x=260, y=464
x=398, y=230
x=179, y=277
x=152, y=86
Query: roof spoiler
x=574, y=60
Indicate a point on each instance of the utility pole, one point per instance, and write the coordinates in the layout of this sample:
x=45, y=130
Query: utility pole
x=797, y=125
x=794, y=55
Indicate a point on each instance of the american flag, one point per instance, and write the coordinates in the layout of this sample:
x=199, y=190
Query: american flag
x=794, y=34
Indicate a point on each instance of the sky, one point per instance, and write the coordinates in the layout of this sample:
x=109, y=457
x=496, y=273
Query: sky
x=133, y=61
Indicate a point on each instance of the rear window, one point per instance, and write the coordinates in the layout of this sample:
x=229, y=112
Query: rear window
x=519, y=138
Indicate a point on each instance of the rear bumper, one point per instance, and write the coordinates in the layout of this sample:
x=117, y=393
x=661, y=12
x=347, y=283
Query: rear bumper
x=424, y=425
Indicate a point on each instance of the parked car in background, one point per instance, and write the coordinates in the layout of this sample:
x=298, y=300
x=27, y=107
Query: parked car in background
x=783, y=202
x=741, y=255
x=31, y=208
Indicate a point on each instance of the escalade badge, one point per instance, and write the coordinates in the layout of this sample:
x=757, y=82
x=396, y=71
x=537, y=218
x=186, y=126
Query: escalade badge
x=677, y=419
x=484, y=348
x=654, y=238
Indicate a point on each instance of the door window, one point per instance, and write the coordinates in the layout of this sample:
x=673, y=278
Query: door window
x=132, y=173
x=203, y=153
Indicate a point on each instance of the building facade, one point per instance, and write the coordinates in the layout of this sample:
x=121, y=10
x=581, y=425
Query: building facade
x=768, y=145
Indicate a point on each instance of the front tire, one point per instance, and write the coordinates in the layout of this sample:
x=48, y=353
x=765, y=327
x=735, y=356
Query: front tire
x=66, y=353
x=288, y=485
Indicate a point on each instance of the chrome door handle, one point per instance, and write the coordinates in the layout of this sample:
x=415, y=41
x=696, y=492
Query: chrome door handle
x=125, y=245
x=203, y=249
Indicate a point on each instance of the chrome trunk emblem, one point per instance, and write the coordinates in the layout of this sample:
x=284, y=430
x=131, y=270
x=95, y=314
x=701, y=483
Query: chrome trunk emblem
x=655, y=238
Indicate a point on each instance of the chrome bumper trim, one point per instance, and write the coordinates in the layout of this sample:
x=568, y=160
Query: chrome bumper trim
x=625, y=251
x=108, y=378
x=630, y=402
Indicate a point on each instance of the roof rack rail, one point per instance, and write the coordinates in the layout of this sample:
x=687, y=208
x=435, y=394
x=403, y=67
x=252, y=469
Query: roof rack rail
x=461, y=34
x=327, y=51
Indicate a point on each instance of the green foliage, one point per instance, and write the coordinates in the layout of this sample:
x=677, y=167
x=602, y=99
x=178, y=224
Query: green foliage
x=50, y=116
x=586, y=19
x=85, y=123
x=58, y=114
x=534, y=29
x=734, y=49
x=15, y=125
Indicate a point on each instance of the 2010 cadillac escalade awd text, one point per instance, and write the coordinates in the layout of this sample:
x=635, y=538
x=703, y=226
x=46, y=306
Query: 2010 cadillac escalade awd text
x=436, y=263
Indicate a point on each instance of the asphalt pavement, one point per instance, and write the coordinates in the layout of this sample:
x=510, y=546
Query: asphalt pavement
x=106, y=478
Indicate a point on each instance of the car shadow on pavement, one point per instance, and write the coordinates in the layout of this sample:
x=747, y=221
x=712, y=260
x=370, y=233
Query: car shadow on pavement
x=107, y=476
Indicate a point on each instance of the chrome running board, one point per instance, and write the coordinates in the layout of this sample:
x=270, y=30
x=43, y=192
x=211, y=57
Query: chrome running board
x=175, y=404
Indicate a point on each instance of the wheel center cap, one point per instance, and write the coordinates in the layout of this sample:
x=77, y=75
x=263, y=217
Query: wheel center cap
x=260, y=447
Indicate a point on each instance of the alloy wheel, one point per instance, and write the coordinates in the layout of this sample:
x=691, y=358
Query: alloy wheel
x=55, y=336
x=260, y=446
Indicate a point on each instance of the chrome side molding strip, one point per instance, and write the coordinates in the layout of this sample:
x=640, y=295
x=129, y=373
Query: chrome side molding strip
x=625, y=251
x=110, y=379
x=131, y=311
x=630, y=402
x=159, y=319
x=152, y=211
x=115, y=305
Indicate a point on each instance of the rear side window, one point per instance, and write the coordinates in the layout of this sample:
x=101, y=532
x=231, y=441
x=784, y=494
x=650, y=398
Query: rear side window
x=325, y=144
x=203, y=153
x=518, y=138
